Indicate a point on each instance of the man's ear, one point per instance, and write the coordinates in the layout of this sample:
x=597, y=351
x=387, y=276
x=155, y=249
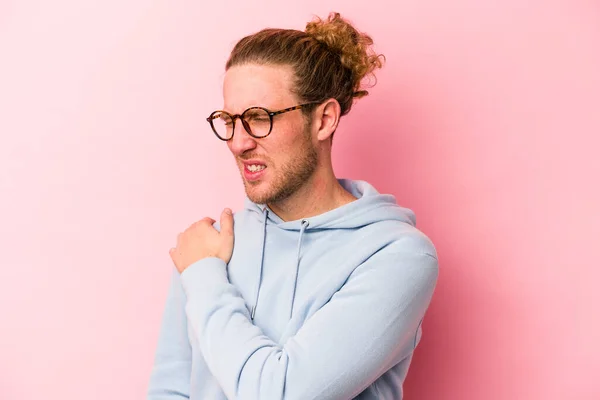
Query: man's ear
x=327, y=116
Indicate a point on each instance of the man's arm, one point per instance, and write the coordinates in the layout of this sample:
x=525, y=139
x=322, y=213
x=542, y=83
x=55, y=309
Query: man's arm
x=170, y=378
x=367, y=327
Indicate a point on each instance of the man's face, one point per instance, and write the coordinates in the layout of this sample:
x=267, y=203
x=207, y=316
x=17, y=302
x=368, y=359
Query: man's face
x=276, y=166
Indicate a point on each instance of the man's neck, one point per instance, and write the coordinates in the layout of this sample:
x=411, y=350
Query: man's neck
x=319, y=195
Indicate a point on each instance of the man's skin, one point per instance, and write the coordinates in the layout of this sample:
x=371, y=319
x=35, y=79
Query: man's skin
x=298, y=181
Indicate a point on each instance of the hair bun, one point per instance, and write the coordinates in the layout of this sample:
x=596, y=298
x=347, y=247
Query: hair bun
x=354, y=48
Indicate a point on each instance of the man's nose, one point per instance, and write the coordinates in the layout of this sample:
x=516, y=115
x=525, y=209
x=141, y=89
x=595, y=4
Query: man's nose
x=241, y=140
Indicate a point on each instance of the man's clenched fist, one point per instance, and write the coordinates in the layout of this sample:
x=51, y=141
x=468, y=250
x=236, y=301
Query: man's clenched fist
x=202, y=240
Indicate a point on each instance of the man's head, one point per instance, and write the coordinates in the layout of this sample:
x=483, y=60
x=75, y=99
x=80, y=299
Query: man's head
x=276, y=69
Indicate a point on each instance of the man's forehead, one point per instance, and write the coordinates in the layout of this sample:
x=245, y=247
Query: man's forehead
x=257, y=85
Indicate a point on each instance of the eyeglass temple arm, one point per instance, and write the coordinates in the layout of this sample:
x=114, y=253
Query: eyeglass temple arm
x=272, y=113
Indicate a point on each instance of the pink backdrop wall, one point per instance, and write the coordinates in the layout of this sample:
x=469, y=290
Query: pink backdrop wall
x=485, y=121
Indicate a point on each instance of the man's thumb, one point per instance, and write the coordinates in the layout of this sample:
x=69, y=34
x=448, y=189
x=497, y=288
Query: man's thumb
x=227, y=222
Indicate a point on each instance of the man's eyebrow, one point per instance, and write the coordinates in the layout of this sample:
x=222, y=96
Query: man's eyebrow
x=269, y=107
x=251, y=109
x=254, y=111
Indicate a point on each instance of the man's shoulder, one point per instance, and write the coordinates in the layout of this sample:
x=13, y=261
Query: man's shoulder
x=403, y=237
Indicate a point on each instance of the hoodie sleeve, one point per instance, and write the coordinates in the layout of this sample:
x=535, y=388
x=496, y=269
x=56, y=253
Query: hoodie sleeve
x=366, y=328
x=170, y=377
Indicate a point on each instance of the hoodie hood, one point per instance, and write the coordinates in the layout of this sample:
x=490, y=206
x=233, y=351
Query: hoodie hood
x=370, y=207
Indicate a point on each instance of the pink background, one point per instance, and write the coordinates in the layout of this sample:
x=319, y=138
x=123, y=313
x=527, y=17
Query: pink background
x=485, y=121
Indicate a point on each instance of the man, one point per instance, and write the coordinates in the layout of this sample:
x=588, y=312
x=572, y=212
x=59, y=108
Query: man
x=317, y=289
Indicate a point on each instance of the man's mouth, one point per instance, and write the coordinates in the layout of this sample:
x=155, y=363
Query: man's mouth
x=255, y=167
x=254, y=170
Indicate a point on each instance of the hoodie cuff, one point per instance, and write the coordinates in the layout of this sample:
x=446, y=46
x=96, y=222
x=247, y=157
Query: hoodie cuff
x=204, y=278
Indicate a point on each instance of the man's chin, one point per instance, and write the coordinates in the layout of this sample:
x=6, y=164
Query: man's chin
x=258, y=200
x=255, y=194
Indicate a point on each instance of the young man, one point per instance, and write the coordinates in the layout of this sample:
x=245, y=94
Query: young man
x=317, y=289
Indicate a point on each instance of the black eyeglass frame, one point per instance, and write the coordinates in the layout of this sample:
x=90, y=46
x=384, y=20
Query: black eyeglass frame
x=271, y=114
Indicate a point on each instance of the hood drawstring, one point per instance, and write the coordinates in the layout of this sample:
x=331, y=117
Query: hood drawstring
x=304, y=225
x=262, y=260
x=302, y=229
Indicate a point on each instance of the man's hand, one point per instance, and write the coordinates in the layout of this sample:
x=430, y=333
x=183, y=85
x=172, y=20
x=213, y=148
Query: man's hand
x=201, y=240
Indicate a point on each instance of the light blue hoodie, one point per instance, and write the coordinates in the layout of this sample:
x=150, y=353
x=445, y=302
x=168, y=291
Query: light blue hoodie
x=328, y=307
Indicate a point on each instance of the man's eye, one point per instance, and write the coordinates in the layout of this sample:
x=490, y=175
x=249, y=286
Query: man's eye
x=257, y=118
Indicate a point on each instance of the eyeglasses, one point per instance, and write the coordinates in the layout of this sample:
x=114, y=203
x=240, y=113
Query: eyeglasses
x=258, y=121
